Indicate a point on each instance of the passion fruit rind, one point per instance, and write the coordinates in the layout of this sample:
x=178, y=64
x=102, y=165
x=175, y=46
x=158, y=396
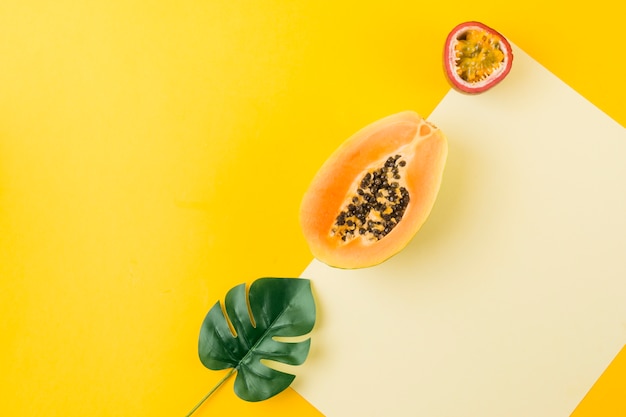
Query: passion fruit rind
x=476, y=57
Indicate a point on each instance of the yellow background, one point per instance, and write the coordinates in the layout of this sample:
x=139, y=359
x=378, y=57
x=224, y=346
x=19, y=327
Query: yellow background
x=153, y=155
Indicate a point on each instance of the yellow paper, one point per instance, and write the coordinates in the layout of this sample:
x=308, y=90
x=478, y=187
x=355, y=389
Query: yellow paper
x=130, y=128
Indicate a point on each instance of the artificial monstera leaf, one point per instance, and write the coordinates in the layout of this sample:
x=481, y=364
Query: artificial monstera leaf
x=271, y=308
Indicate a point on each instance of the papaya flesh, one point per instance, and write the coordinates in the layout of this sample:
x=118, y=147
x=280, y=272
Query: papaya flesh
x=374, y=192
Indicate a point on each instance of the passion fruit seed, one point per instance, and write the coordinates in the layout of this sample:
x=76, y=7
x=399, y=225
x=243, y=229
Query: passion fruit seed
x=478, y=54
x=377, y=206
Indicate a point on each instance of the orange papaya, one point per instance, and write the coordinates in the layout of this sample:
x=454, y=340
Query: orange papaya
x=374, y=192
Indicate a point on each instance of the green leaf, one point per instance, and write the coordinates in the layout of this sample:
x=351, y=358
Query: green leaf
x=273, y=307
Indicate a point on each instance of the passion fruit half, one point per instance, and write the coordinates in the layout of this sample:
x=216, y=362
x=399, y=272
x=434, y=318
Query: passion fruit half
x=476, y=57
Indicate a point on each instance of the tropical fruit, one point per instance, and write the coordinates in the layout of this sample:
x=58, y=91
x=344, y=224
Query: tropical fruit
x=374, y=192
x=476, y=57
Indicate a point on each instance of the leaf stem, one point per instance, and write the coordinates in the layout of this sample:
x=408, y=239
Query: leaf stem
x=193, y=410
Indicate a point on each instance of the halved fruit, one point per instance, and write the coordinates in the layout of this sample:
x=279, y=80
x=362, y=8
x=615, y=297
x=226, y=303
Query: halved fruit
x=374, y=192
x=476, y=57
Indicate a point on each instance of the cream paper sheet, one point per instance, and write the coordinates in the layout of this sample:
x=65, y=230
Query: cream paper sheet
x=511, y=300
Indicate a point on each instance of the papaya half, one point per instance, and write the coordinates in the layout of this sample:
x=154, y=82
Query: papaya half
x=374, y=192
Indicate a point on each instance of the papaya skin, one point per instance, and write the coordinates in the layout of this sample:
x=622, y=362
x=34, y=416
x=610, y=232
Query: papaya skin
x=424, y=148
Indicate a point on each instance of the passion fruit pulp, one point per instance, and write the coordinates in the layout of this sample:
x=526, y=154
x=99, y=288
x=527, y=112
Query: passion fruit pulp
x=476, y=57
